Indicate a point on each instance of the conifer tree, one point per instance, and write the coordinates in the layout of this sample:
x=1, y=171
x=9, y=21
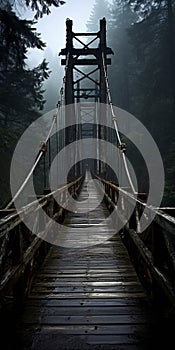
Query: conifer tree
x=121, y=20
x=19, y=86
x=100, y=10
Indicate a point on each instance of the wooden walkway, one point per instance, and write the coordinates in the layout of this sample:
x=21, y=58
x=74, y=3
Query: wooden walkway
x=86, y=298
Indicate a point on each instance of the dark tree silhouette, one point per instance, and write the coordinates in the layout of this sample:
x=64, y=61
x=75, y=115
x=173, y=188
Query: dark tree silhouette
x=40, y=7
x=19, y=85
x=21, y=88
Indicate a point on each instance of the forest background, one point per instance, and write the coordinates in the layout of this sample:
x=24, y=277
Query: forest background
x=142, y=75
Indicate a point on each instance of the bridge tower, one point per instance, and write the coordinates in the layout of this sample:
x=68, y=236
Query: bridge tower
x=82, y=85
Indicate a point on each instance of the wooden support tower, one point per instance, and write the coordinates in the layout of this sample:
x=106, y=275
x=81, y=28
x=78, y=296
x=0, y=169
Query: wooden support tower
x=81, y=85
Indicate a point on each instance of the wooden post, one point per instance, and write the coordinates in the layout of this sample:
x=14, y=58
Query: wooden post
x=17, y=251
x=73, y=60
x=69, y=95
x=158, y=252
x=103, y=95
x=103, y=90
x=70, y=133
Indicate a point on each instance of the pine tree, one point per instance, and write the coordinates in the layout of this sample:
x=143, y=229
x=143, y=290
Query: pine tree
x=40, y=7
x=153, y=41
x=121, y=20
x=100, y=10
x=17, y=83
x=150, y=39
x=164, y=12
x=16, y=37
x=21, y=88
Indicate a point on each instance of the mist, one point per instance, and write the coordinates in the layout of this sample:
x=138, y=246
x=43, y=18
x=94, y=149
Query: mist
x=141, y=77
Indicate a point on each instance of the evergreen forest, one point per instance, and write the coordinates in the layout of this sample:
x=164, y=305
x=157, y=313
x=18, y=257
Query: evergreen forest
x=141, y=34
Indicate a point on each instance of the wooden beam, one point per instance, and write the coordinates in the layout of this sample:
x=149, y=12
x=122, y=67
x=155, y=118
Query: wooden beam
x=85, y=52
x=85, y=62
x=86, y=34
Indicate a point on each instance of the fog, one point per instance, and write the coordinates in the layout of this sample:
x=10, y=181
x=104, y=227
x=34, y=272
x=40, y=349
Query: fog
x=141, y=76
x=53, y=28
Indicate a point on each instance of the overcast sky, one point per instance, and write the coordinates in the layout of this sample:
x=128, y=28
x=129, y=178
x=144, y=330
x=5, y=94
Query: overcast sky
x=53, y=28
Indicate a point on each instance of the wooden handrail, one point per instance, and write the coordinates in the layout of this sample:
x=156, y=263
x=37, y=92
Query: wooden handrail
x=10, y=221
x=152, y=250
x=20, y=250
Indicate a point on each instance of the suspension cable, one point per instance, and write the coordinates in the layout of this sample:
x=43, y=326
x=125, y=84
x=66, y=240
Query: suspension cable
x=114, y=119
x=42, y=151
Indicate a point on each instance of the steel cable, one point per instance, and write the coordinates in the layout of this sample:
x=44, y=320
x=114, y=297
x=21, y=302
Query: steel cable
x=39, y=156
x=114, y=119
x=41, y=151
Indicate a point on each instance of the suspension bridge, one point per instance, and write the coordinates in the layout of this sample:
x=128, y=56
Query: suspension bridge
x=88, y=263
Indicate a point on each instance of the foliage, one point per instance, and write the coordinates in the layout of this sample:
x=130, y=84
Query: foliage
x=16, y=37
x=121, y=19
x=145, y=7
x=21, y=88
x=40, y=7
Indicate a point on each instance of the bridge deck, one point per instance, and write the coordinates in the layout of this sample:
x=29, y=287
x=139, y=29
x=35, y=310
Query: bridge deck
x=88, y=298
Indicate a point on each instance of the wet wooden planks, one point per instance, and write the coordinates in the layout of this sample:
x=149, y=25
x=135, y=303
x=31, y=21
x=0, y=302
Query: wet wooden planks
x=86, y=298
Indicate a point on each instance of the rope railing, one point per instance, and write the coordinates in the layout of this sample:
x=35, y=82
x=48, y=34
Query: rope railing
x=62, y=91
x=114, y=119
x=41, y=152
x=42, y=149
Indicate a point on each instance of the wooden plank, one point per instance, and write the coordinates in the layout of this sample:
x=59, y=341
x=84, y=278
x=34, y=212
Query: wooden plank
x=91, y=329
x=86, y=283
x=141, y=302
x=87, y=289
x=113, y=339
x=97, y=320
x=91, y=294
x=33, y=310
x=87, y=295
x=86, y=62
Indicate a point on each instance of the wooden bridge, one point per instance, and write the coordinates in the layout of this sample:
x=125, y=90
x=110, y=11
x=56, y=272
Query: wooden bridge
x=90, y=297
x=92, y=288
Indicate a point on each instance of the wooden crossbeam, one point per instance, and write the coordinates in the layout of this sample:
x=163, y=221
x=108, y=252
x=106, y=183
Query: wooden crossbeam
x=85, y=51
x=85, y=62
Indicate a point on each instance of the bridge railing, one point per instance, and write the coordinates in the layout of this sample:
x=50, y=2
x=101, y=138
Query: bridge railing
x=21, y=251
x=152, y=250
